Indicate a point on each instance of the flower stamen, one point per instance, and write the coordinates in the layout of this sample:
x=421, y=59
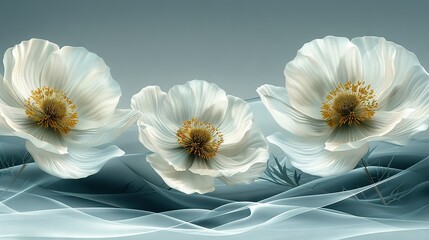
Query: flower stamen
x=349, y=104
x=199, y=138
x=50, y=108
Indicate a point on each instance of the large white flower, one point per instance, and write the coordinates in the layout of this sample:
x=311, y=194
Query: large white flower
x=342, y=94
x=63, y=102
x=198, y=133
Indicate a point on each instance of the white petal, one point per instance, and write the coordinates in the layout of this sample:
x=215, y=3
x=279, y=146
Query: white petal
x=403, y=132
x=148, y=101
x=86, y=80
x=385, y=63
x=5, y=130
x=153, y=132
x=153, y=139
x=23, y=65
x=350, y=66
x=78, y=163
x=192, y=100
x=21, y=126
x=184, y=181
x=120, y=121
x=378, y=60
x=237, y=158
x=152, y=127
x=345, y=137
x=236, y=122
x=8, y=96
x=412, y=93
x=314, y=159
x=314, y=72
x=178, y=158
x=253, y=173
x=205, y=167
x=276, y=101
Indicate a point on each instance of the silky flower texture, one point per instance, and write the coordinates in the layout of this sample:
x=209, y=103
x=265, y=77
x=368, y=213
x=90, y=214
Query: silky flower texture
x=198, y=133
x=63, y=102
x=340, y=95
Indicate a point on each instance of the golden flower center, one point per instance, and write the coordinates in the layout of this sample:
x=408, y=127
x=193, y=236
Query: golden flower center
x=50, y=108
x=349, y=104
x=199, y=138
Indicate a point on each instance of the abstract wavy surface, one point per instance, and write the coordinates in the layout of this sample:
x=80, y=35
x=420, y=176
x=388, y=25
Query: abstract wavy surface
x=126, y=199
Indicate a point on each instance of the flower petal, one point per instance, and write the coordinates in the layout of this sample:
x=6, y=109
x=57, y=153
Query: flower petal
x=312, y=158
x=149, y=102
x=86, y=80
x=8, y=95
x=413, y=93
x=23, y=65
x=153, y=132
x=345, y=137
x=276, y=101
x=233, y=159
x=153, y=139
x=386, y=64
x=236, y=122
x=403, y=132
x=192, y=100
x=184, y=181
x=350, y=66
x=178, y=158
x=78, y=163
x=253, y=173
x=18, y=124
x=120, y=121
x=314, y=72
x=5, y=130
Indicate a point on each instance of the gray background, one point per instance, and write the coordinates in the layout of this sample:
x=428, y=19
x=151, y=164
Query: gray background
x=239, y=45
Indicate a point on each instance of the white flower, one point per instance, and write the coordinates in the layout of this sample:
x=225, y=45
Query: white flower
x=342, y=94
x=198, y=133
x=63, y=102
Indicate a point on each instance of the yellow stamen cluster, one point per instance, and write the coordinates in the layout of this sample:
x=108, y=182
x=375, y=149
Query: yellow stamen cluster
x=50, y=108
x=199, y=138
x=349, y=104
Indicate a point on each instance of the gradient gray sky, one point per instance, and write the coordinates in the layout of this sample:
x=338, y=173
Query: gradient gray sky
x=238, y=44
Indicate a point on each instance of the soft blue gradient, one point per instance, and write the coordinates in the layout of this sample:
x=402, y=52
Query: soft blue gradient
x=238, y=44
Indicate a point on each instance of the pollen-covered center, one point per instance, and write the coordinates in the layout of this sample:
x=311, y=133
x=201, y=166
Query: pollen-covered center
x=50, y=108
x=345, y=103
x=349, y=104
x=199, y=138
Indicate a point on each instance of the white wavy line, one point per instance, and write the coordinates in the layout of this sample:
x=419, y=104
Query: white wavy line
x=263, y=215
x=136, y=228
